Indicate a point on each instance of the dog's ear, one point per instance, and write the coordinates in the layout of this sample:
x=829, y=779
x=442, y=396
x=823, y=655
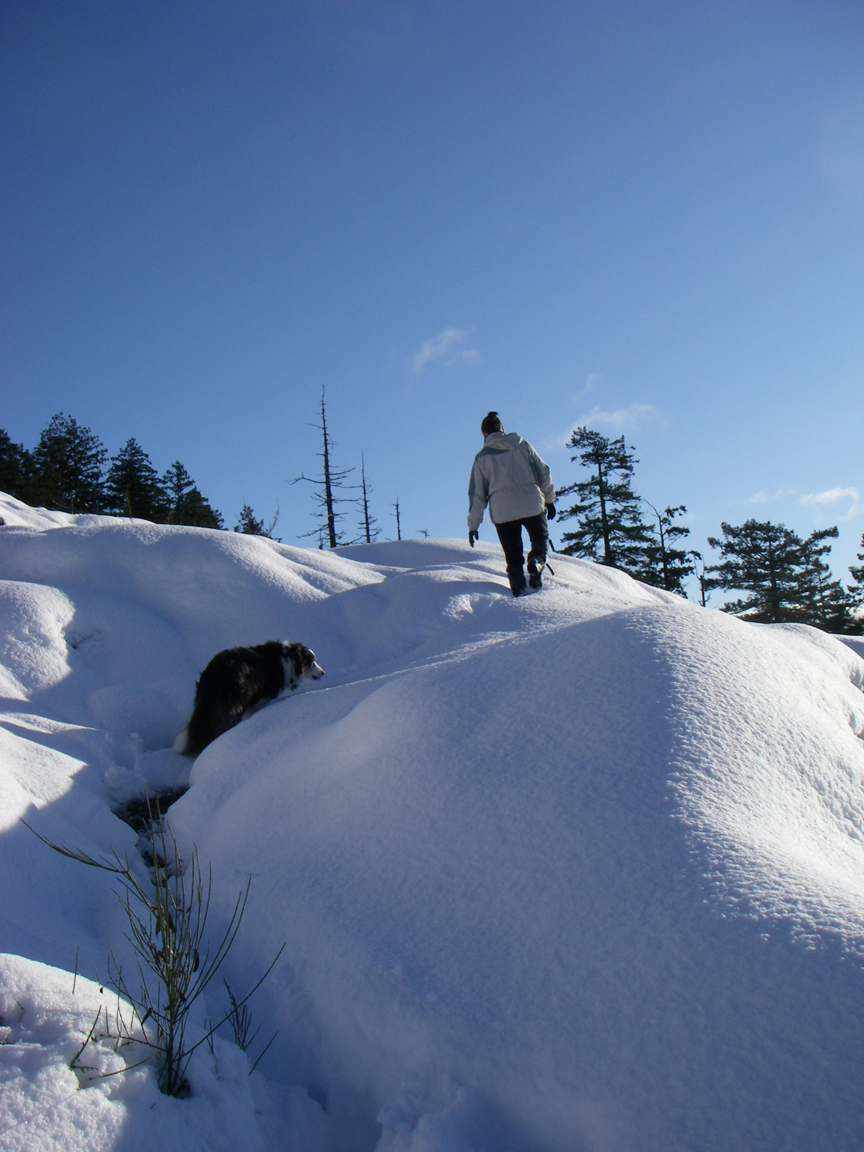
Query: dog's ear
x=291, y=664
x=301, y=656
x=302, y=663
x=311, y=667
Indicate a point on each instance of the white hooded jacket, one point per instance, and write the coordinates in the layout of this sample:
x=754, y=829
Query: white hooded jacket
x=511, y=478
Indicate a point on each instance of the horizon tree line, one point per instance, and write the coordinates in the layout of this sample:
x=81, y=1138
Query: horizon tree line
x=70, y=470
x=779, y=576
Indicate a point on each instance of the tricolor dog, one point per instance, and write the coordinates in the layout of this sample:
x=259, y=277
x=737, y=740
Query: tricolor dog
x=238, y=679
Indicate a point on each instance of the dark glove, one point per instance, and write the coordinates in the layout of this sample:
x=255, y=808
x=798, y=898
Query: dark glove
x=472, y=536
x=550, y=511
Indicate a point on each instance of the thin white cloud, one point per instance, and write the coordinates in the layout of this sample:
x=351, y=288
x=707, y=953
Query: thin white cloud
x=621, y=421
x=834, y=496
x=590, y=382
x=448, y=346
x=770, y=497
x=629, y=419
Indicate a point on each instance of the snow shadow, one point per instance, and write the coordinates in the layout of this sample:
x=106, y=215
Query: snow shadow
x=493, y=880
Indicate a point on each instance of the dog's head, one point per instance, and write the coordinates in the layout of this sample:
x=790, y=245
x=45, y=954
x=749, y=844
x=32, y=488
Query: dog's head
x=300, y=663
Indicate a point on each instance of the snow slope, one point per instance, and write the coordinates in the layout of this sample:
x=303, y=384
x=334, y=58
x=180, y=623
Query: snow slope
x=583, y=870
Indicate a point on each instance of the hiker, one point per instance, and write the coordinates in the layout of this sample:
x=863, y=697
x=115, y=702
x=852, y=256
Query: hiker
x=510, y=477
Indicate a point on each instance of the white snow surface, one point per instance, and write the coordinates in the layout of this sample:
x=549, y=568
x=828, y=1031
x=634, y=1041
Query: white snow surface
x=578, y=871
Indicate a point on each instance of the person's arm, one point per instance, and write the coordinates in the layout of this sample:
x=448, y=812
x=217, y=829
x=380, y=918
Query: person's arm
x=543, y=475
x=478, y=497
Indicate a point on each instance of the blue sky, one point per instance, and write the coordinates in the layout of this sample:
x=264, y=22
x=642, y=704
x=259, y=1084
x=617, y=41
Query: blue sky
x=644, y=216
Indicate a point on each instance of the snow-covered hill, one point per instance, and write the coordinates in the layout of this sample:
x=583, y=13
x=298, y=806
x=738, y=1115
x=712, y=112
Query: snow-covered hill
x=583, y=870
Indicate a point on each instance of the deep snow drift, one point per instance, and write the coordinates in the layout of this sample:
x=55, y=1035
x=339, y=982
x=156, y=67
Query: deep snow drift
x=583, y=870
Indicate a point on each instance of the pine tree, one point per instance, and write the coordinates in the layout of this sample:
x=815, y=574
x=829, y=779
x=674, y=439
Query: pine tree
x=665, y=565
x=857, y=570
x=250, y=525
x=368, y=524
x=823, y=600
x=856, y=592
x=786, y=578
x=702, y=578
x=186, y=505
x=133, y=487
x=176, y=483
x=194, y=511
x=327, y=488
x=607, y=510
x=69, y=463
x=17, y=469
x=763, y=560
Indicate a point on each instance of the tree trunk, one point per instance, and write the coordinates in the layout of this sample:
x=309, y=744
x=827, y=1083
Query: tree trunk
x=328, y=487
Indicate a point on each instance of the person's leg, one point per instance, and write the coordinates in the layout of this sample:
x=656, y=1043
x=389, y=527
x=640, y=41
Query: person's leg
x=510, y=535
x=538, y=533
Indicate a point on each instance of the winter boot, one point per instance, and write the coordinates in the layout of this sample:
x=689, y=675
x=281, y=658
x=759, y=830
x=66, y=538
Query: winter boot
x=536, y=564
x=517, y=582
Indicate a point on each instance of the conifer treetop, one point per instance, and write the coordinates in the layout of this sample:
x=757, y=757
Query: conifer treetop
x=667, y=566
x=132, y=485
x=785, y=578
x=17, y=470
x=70, y=461
x=857, y=570
x=610, y=526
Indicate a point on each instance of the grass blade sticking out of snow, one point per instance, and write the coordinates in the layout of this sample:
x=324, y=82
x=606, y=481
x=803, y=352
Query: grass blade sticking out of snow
x=174, y=960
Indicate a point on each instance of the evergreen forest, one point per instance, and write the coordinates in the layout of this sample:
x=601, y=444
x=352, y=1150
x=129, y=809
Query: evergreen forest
x=70, y=470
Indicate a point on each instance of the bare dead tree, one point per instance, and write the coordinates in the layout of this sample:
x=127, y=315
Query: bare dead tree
x=398, y=520
x=327, y=488
x=368, y=524
x=704, y=580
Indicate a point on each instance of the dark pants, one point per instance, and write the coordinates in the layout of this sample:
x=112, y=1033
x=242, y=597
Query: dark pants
x=510, y=535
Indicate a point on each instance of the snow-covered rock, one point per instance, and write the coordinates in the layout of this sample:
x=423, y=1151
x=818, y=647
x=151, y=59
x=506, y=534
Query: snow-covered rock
x=583, y=870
